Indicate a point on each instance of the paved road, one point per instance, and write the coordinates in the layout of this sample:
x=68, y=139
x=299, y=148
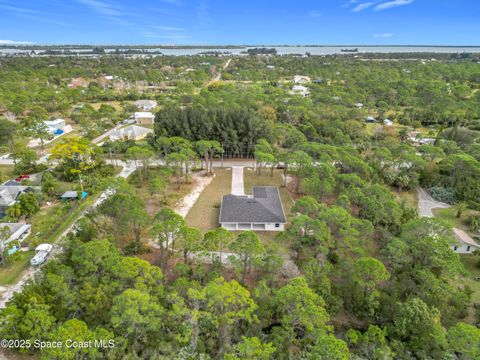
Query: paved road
x=426, y=204
x=238, y=187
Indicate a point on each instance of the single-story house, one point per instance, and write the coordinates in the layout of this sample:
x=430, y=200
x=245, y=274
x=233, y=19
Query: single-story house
x=146, y=104
x=262, y=211
x=301, y=79
x=131, y=132
x=144, y=118
x=300, y=90
x=55, y=125
x=388, y=122
x=465, y=245
x=17, y=232
x=9, y=195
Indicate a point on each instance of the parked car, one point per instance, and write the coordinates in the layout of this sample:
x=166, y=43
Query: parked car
x=42, y=252
x=22, y=177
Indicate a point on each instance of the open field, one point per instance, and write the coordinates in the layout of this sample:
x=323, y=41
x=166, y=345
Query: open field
x=204, y=214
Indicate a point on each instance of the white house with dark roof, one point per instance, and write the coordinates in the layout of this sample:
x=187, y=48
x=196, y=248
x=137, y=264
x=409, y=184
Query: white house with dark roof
x=262, y=211
x=465, y=244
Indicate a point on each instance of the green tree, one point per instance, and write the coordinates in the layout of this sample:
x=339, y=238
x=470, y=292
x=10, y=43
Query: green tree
x=248, y=248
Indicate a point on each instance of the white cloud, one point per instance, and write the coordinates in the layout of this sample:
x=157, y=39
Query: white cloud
x=392, y=4
x=102, y=7
x=167, y=28
x=385, y=35
x=13, y=42
x=363, y=6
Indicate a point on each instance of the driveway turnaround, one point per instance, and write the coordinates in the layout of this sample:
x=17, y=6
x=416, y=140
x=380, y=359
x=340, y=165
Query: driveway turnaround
x=237, y=181
x=426, y=204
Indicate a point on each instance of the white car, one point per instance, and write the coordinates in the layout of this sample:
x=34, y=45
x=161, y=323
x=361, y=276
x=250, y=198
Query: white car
x=42, y=252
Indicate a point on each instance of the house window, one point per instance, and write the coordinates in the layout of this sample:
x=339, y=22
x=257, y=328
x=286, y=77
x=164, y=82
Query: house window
x=468, y=248
x=455, y=247
x=277, y=225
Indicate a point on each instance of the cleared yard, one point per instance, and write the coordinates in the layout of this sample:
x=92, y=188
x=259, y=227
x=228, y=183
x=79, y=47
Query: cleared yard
x=12, y=271
x=204, y=214
x=450, y=216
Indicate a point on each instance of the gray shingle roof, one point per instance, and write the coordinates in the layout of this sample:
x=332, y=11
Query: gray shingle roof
x=8, y=194
x=264, y=207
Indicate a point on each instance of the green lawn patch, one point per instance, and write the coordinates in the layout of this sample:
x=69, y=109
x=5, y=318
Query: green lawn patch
x=450, y=216
x=204, y=214
x=14, y=269
x=409, y=197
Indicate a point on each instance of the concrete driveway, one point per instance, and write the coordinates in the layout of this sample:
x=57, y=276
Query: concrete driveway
x=426, y=204
x=238, y=188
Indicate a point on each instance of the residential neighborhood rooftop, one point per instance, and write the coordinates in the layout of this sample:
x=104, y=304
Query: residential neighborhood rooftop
x=265, y=206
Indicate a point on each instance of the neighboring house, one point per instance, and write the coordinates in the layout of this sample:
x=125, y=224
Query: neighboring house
x=370, y=119
x=388, y=122
x=263, y=211
x=146, y=104
x=18, y=232
x=300, y=90
x=55, y=125
x=301, y=79
x=465, y=245
x=144, y=118
x=131, y=132
x=9, y=195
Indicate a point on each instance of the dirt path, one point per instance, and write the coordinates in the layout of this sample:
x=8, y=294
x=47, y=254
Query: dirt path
x=201, y=182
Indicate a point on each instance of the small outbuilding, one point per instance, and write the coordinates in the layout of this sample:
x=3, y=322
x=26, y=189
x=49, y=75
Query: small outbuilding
x=144, y=118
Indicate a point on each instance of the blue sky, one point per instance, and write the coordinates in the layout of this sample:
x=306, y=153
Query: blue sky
x=416, y=22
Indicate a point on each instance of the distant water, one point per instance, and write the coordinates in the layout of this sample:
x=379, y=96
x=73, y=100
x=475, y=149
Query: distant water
x=288, y=50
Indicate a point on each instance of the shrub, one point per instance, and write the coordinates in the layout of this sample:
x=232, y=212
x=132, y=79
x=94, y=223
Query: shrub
x=443, y=194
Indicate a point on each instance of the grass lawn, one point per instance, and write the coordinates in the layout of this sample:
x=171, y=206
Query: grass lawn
x=470, y=262
x=7, y=170
x=204, y=214
x=13, y=270
x=410, y=197
x=449, y=215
